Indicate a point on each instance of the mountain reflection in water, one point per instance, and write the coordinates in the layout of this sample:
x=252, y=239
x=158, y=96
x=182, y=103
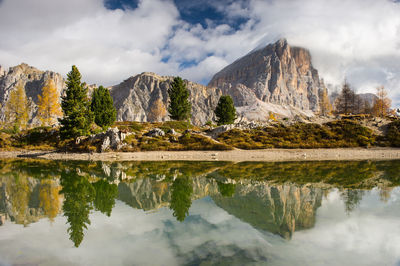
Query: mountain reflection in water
x=277, y=198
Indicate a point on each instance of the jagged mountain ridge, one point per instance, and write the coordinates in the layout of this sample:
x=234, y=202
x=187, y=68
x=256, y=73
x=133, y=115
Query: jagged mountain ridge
x=145, y=98
x=277, y=78
x=142, y=98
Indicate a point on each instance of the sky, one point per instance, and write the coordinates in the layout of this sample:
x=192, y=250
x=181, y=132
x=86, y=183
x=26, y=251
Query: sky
x=111, y=40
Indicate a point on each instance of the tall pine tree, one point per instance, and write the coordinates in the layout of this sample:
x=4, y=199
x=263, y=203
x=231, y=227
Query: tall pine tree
x=179, y=106
x=103, y=107
x=345, y=101
x=76, y=107
x=225, y=111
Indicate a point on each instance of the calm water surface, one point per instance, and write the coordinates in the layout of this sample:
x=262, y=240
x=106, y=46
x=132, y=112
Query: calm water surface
x=199, y=213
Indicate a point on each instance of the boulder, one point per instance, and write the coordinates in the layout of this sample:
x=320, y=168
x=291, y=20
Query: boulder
x=219, y=130
x=156, y=132
x=171, y=131
x=106, y=144
x=112, y=139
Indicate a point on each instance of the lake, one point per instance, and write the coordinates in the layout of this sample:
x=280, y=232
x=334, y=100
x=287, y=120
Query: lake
x=199, y=213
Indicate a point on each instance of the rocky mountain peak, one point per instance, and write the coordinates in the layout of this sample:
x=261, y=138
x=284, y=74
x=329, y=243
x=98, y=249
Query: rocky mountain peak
x=278, y=77
x=144, y=97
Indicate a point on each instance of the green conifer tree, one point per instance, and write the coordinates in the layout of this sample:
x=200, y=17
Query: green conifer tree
x=76, y=107
x=225, y=111
x=179, y=106
x=103, y=107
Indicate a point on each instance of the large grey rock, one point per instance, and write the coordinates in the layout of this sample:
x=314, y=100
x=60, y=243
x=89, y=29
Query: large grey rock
x=145, y=98
x=214, y=133
x=106, y=144
x=33, y=81
x=277, y=78
x=156, y=132
x=172, y=132
x=113, y=139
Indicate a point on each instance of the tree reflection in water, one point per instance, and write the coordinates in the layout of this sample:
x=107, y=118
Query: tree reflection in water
x=105, y=196
x=351, y=199
x=226, y=189
x=181, y=201
x=276, y=197
x=80, y=196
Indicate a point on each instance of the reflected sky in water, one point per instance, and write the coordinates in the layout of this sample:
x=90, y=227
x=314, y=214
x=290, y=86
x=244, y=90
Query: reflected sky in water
x=370, y=235
x=219, y=230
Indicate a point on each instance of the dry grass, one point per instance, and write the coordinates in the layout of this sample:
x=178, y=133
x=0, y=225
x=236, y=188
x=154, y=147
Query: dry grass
x=343, y=133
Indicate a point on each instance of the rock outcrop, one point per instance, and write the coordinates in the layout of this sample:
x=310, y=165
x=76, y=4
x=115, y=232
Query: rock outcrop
x=145, y=98
x=277, y=78
x=33, y=80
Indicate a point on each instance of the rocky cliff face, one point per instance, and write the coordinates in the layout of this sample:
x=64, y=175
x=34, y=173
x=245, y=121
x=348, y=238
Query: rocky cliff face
x=144, y=98
x=277, y=78
x=33, y=80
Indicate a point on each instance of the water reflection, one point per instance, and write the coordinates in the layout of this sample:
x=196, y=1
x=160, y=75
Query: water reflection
x=278, y=198
x=182, y=190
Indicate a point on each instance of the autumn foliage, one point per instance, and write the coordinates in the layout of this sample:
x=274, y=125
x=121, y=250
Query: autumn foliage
x=382, y=104
x=49, y=106
x=17, y=108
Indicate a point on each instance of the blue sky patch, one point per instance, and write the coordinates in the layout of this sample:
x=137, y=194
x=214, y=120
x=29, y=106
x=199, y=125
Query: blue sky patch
x=193, y=12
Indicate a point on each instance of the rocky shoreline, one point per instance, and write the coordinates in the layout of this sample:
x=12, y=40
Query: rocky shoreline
x=267, y=155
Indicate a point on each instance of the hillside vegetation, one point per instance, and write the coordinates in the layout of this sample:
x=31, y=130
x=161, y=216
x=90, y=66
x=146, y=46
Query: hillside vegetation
x=180, y=135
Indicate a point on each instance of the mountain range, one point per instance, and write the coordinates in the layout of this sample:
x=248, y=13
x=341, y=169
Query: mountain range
x=278, y=79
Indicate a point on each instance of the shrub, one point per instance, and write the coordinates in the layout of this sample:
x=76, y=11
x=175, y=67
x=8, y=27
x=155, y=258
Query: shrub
x=393, y=133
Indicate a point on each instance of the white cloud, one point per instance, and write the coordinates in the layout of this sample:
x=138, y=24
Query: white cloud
x=107, y=46
x=359, y=39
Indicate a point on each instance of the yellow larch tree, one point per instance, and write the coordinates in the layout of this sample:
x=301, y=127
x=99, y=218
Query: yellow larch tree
x=157, y=111
x=49, y=198
x=324, y=103
x=17, y=108
x=382, y=103
x=48, y=105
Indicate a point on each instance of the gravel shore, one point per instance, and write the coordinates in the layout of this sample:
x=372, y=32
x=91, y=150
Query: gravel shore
x=269, y=155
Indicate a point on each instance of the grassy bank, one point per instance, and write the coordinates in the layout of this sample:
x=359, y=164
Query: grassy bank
x=181, y=136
